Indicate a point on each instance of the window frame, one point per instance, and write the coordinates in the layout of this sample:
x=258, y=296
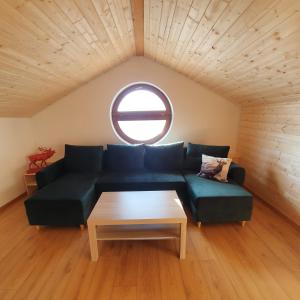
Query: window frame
x=166, y=115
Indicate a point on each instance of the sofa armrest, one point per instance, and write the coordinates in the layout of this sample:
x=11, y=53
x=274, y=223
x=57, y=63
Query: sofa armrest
x=50, y=173
x=237, y=173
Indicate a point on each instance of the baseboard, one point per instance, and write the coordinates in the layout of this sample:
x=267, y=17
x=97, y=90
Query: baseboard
x=6, y=204
x=290, y=221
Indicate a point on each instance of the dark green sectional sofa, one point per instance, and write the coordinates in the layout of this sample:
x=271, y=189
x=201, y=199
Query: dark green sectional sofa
x=69, y=188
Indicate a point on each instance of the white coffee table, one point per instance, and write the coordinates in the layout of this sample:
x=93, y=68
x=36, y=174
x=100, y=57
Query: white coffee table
x=143, y=215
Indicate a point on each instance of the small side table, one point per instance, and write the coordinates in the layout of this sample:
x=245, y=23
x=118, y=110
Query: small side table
x=30, y=183
x=30, y=180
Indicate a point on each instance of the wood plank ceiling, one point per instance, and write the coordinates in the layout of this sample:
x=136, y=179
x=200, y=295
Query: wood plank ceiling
x=247, y=50
x=48, y=48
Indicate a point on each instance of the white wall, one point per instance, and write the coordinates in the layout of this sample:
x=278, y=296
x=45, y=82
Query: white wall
x=17, y=141
x=82, y=117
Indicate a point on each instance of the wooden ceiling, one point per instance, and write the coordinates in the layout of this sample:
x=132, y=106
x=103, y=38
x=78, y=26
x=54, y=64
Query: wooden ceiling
x=48, y=48
x=246, y=50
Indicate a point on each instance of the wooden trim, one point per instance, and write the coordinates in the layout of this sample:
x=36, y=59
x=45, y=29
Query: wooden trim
x=294, y=224
x=142, y=86
x=138, y=25
x=140, y=115
x=117, y=116
x=7, y=204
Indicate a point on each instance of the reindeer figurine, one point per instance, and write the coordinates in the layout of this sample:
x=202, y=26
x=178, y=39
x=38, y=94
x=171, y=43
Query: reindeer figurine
x=38, y=161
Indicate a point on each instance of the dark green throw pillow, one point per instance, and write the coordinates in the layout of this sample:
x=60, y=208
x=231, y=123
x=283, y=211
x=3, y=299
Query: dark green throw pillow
x=83, y=158
x=167, y=157
x=192, y=164
x=194, y=154
x=196, y=150
x=125, y=157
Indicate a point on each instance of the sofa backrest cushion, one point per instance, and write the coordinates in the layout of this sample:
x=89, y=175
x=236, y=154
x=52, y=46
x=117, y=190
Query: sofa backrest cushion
x=83, y=158
x=196, y=150
x=194, y=153
x=168, y=157
x=125, y=157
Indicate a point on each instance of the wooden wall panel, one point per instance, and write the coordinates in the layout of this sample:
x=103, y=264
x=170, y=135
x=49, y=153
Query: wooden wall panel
x=48, y=48
x=269, y=148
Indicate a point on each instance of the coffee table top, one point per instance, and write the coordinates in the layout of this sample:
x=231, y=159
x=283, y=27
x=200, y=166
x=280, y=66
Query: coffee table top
x=141, y=207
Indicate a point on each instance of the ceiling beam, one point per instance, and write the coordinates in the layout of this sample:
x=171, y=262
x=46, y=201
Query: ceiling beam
x=138, y=25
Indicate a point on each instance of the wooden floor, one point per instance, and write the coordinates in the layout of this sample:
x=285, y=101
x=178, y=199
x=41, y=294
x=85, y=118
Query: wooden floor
x=258, y=261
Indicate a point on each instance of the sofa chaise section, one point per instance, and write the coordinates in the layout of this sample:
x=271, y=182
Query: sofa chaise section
x=210, y=200
x=216, y=202
x=66, y=193
x=66, y=201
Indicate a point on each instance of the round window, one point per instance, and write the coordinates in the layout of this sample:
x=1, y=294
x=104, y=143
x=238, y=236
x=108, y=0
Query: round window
x=141, y=113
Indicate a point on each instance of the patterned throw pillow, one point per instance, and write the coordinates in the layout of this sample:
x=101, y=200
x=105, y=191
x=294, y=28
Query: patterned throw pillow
x=215, y=167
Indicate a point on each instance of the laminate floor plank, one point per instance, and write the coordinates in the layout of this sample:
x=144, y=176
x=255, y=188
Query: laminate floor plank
x=7, y=294
x=234, y=268
x=148, y=276
x=223, y=261
x=171, y=279
x=124, y=293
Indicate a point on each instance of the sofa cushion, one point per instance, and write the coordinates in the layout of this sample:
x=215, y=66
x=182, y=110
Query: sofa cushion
x=196, y=150
x=125, y=157
x=137, y=181
x=167, y=157
x=194, y=154
x=237, y=173
x=192, y=164
x=66, y=201
x=83, y=158
x=50, y=173
x=214, y=201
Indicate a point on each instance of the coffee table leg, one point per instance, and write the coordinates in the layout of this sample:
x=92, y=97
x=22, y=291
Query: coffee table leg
x=182, y=240
x=93, y=242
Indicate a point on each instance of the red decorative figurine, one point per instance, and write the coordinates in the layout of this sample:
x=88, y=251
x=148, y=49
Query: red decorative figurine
x=37, y=161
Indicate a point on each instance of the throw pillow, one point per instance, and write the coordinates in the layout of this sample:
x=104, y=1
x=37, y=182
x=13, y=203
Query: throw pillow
x=168, y=157
x=196, y=150
x=194, y=154
x=83, y=158
x=215, y=167
x=125, y=157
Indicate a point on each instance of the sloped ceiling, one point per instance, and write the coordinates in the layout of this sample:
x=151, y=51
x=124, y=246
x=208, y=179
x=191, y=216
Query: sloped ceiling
x=246, y=50
x=48, y=48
